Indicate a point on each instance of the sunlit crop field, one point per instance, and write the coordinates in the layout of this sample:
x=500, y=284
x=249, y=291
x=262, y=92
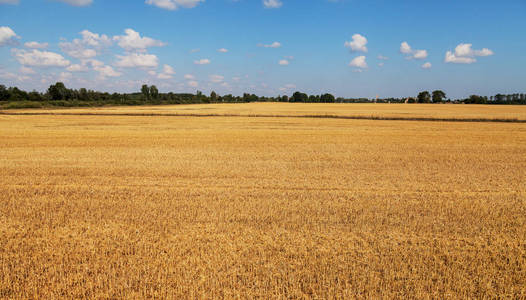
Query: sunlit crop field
x=241, y=207
x=408, y=111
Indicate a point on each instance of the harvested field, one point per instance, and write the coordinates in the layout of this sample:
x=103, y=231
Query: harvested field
x=241, y=207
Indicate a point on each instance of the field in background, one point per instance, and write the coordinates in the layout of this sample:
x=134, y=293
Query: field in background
x=409, y=111
x=136, y=207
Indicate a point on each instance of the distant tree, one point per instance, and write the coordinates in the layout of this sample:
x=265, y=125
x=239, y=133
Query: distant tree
x=299, y=97
x=4, y=93
x=83, y=94
x=424, y=97
x=438, y=96
x=213, y=96
x=285, y=98
x=145, y=91
x=58, y=91
x=475, y=99
x=327, y=98
x=154, y=92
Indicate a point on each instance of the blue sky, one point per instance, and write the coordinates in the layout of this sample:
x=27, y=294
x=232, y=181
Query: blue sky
x=267, y=47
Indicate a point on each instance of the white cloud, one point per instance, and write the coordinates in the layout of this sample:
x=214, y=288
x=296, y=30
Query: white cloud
x=9, y=1
x=132, y=41
x=107, y=71
x=153, y=73
x=87, y=46
x=37, y=58
x=284, y=62
x=193, y=83
x=272, y=3
x=452, y=58
x=203, y=61
x=78, y=68
x=405, y=48
x=358, y=43
x=216, y=78
x=222, y=50
x=167, y=72
x=189, y=77
x=195, y=50
x=464, y=54
x=164, y=76
x=36, y=45
x=77, y=51
x=381, y=64
x=273, y=45
x=13, y=76
x=94, y=39
x=77, y=2
x=133, y=60
x=26, y=70
x=381, y=57
x=416, y=54
x=359, y=62
x=427, y=65
x=420, y=54
x=174, y=4
x=7, y=36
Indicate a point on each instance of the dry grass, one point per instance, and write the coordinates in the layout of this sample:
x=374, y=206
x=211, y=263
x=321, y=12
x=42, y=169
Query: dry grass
x=408, y=111
x=180, y=207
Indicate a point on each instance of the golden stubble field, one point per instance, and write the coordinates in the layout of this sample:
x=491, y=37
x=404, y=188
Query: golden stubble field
x=240, y=207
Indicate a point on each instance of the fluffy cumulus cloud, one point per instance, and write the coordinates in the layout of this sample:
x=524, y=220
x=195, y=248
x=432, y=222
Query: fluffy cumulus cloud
x=203, y=61
x=411, y=53
x=174, y=4
x=193, y=83
x=273, y=45
x=464, y=54
x=133, y=60
x=166, y=73
x=189, y=77
x=37, y=58
x=86, y=47
x=132, y=41
x=358, y=43
x=359, y=62
x=106, y=71
x=222, y=50
x=284, y=62
x=7, y=36
x=272, y=3
x=427, y=65
x=36, y=45
x=78, y=68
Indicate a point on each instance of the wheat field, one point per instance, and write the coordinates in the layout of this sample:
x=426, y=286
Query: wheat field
x=240, y=207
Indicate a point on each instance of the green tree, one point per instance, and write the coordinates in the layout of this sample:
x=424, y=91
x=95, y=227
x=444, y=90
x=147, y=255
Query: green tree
x=424, y=97
x=154, y=92
x=327, y=98
x=438, y=96
x=145, y=91
x=4, y=93
x=299, y=97
x=58, y=91
x=213, y=96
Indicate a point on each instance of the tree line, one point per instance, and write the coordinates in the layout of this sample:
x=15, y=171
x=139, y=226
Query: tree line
x=59, y=95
